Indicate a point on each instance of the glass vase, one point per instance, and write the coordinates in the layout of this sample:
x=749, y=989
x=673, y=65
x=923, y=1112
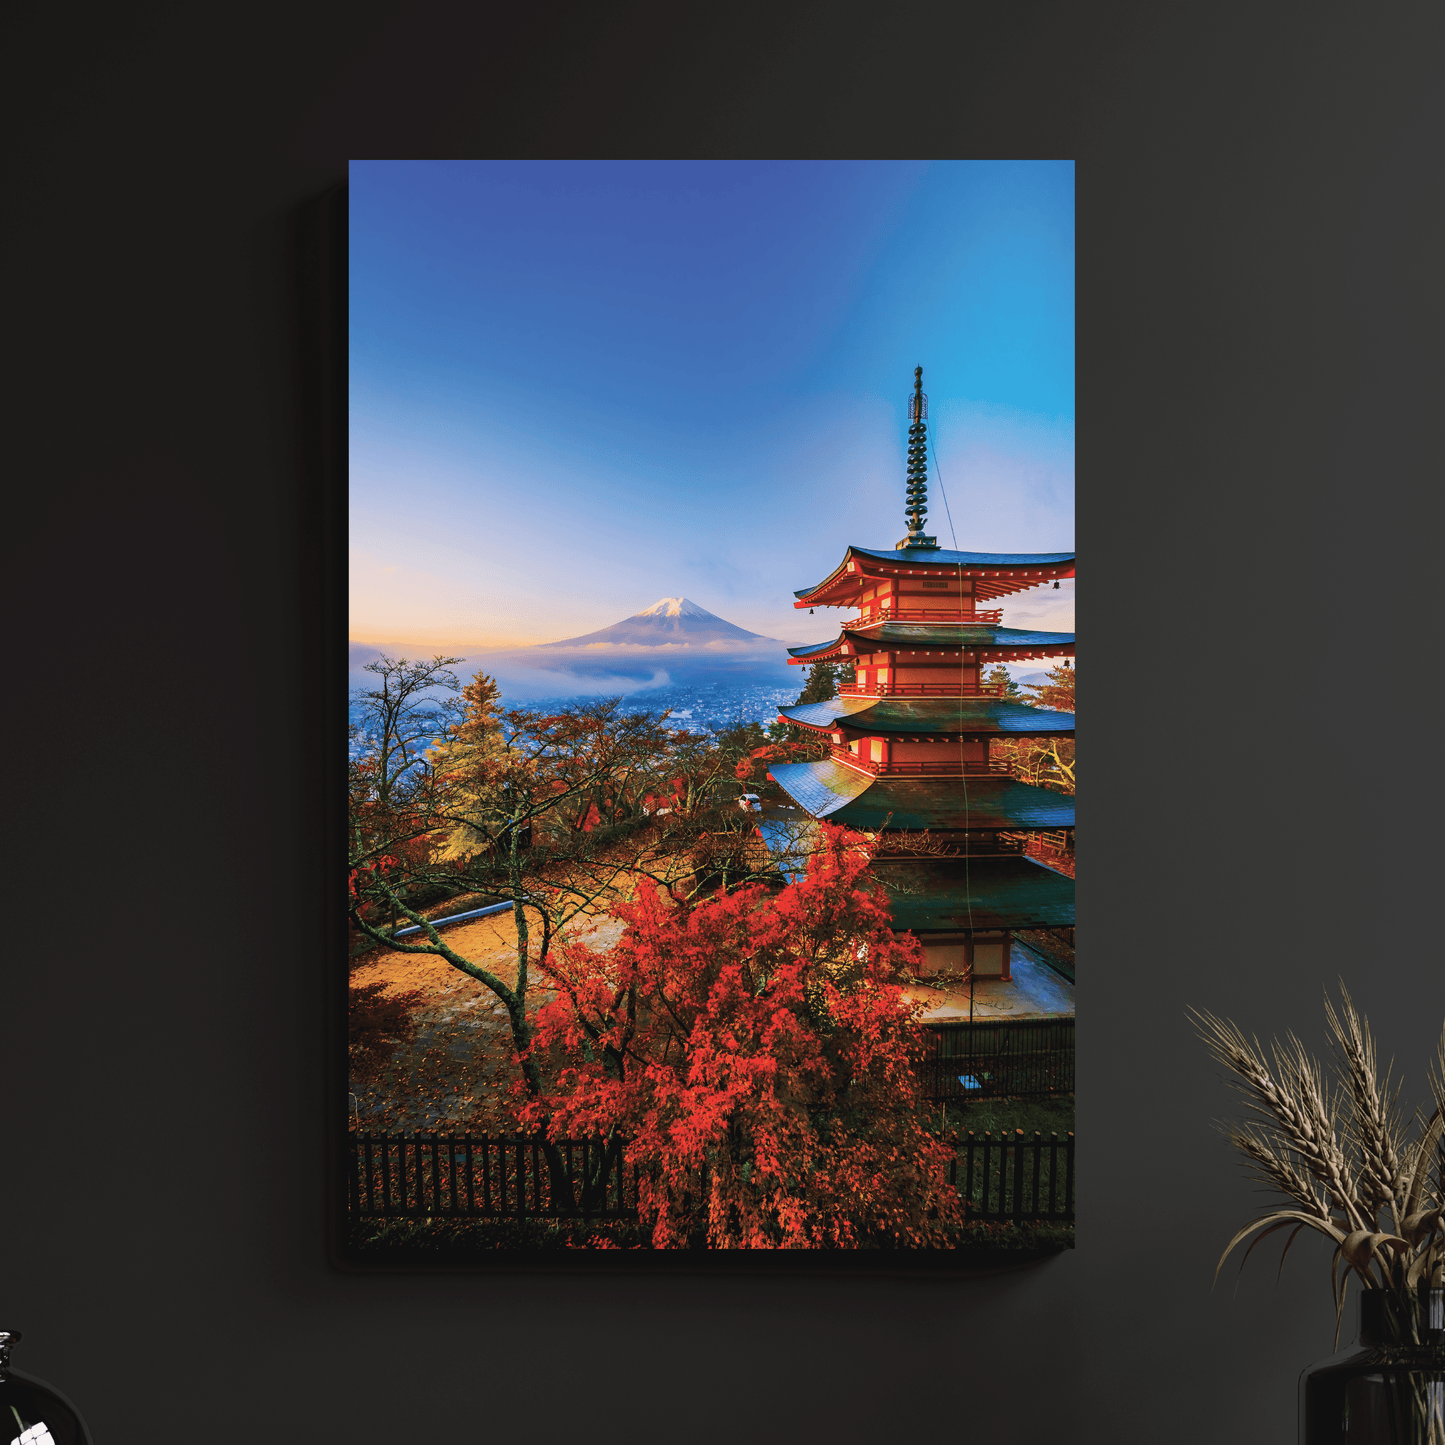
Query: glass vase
x=1388, y=1388
x=32, y=1413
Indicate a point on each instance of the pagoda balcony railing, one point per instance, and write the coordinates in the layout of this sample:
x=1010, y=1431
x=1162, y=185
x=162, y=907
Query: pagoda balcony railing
x=956, y=768
x=989, y=617
x=922, y=689
x=1047, y=840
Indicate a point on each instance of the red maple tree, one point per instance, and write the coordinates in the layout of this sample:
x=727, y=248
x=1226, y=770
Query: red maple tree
x=757, y=1053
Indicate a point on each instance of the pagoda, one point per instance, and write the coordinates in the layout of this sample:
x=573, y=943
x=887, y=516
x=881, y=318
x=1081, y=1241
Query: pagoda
x=910, y=734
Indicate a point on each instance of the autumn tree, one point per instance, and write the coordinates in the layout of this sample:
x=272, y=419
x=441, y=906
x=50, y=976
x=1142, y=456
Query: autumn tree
x=563, y=814
x=1057, y=692
x=1046, y=762
x=757, y=1053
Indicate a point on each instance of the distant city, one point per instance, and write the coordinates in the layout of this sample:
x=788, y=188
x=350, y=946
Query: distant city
x=718, y=674
x=703, y=707
x=710, y=707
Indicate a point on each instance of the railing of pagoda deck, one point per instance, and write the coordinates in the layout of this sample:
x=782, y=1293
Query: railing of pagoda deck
x=1047, y=840
x=993, y=767
x=988, y=617
x=922, y=689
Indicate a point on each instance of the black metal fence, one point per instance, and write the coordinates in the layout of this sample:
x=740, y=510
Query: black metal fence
x=449, y=1176
x=1003, y=1058
x=1008, y=1176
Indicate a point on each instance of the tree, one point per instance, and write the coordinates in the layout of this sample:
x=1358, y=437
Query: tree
x=823, y=681
x=394, y=793
x=759, y=1054
x=820, y=684
x=998, y=675
x=1047, y=762
x=562, y=813
x=1058, y=692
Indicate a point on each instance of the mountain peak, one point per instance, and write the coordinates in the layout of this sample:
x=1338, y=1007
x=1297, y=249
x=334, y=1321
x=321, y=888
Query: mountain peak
x=669, y=622
x=674, y=607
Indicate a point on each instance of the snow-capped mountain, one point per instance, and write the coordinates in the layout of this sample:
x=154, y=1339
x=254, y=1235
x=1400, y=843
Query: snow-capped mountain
x=670, y=621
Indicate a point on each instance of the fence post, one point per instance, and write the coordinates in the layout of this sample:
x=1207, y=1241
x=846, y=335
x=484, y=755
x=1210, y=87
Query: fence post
x=1069, y=1187
x=1038, y=1165
x=1018, y=1175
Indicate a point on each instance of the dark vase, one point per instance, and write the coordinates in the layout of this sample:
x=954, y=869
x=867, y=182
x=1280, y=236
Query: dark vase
x=1388, y=1388
x=32, y=1413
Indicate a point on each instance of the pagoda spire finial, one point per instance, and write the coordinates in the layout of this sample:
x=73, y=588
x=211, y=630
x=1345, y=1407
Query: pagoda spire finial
x=916, y=506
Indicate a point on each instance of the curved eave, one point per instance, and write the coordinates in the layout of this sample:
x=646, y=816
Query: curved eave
x=937, y=895
x=995, y=574
x=952, y=716
x=809, y=651
x=889, y=636
x=996, y=643
x=841, y=794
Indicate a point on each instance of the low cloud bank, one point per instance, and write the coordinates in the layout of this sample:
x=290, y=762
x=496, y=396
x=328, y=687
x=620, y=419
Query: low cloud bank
x=531, y=674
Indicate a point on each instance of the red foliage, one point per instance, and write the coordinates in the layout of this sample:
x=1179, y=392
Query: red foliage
x=759, y=1052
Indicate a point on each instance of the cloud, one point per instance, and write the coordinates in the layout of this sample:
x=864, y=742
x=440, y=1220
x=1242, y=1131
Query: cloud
x=532, y=674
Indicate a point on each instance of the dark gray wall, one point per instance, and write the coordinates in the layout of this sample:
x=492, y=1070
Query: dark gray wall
x=1259, y=382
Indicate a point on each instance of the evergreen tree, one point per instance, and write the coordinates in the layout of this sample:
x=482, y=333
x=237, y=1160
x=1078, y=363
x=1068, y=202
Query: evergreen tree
x=998, y=673
x=819, y=685
x=823, y=680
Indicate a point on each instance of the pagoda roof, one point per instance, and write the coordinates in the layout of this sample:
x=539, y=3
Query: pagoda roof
x=891, y=635
x=996, y=573
x=832, y=790
x=936, y=894
x=929, y=715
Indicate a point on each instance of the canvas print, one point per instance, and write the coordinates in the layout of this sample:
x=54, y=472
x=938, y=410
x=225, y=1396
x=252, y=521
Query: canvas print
x=710, y=764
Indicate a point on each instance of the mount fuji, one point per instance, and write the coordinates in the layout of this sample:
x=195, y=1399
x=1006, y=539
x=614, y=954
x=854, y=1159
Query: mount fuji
x=674, y=643
x=669, y=622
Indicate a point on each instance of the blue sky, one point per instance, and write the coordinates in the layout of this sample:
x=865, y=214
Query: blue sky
x=577, y=387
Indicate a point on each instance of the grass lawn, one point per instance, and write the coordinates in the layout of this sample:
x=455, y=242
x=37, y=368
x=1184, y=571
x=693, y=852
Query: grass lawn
x=1047, y=1116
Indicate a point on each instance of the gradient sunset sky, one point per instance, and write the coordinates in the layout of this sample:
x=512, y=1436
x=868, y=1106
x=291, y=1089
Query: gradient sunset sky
x=577, y=387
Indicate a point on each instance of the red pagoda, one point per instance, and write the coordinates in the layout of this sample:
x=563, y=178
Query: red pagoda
x=910, y=734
